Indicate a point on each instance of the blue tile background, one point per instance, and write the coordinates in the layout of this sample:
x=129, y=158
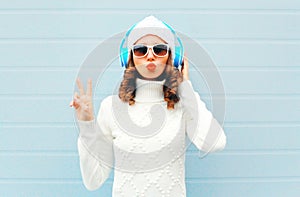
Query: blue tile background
x=255, y=45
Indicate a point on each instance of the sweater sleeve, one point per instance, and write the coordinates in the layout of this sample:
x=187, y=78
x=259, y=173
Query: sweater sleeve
x=95, y=148
x=201, y=127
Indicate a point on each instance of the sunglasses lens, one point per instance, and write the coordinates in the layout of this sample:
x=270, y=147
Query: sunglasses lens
x=160, y=49
x=140, y=50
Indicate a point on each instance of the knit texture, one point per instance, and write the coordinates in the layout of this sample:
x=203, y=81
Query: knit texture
x=151, y=166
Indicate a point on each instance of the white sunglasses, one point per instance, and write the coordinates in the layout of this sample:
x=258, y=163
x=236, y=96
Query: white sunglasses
x=141, y=50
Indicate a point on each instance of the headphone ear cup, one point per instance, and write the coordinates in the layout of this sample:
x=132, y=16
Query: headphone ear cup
x=124, y=51
x=178, y=58
x=124, y=56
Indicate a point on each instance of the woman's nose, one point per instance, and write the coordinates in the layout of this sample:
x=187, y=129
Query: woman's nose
x=150, y=55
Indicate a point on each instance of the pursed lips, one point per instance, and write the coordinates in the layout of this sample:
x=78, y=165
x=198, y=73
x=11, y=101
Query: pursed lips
x=151, y=67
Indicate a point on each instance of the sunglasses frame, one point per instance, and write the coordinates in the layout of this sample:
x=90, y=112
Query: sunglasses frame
x=150, y=47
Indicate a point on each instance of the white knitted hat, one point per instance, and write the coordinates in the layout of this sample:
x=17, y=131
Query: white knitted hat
x=151, y=25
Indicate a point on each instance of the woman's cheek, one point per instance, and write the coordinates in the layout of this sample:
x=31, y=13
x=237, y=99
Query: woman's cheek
x=137, y=62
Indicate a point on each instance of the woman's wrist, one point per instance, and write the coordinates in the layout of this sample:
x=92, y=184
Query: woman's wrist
x=85, y=118
x=186, y=77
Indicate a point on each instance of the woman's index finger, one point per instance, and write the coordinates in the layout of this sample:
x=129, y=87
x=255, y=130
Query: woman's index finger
x=89, y=88
x=80, y=87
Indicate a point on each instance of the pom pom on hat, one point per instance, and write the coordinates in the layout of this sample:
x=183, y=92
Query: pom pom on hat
x=151, y=25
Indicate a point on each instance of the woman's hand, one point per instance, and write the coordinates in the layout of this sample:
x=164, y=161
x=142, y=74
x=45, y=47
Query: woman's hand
x=185, y=69
x=83, y=102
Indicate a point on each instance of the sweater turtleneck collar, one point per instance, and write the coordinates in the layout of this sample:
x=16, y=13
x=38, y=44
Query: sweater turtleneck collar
x=149, y=91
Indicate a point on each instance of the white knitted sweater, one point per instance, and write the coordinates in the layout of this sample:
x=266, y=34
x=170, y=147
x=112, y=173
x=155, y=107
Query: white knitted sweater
x=145, y=165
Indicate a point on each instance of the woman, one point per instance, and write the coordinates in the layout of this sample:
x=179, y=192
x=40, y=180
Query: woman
x=152, y=164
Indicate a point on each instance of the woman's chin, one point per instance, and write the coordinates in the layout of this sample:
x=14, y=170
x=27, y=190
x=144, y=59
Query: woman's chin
x=150, y=75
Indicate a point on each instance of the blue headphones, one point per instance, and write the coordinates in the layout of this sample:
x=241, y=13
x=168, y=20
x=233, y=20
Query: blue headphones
x=125, y=52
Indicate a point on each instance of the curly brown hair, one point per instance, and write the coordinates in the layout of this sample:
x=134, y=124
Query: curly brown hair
x=171, y=74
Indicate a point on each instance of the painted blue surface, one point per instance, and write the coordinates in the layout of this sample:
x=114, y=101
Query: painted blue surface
x=254, y=44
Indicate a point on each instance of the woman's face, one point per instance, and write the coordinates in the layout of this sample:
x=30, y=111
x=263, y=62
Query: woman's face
x=150, y=66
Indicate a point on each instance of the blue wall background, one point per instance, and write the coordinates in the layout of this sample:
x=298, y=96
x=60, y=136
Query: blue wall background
x=255, y=45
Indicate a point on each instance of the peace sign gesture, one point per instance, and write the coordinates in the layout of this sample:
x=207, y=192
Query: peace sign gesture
x=83, y=103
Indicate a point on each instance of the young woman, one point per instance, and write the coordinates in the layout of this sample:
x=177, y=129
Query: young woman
x=145, y=147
